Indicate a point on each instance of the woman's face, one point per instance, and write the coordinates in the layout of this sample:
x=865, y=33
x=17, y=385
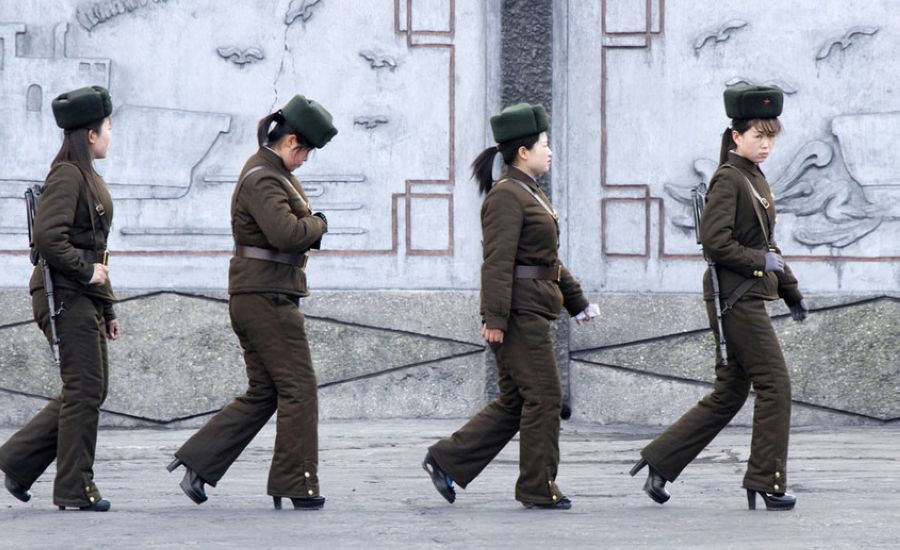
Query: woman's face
x=99, y=141
x=292, y=154
x=754, y=144
x=537, y=160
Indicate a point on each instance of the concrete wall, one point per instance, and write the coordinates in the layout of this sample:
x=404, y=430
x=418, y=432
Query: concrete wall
x=635, y=99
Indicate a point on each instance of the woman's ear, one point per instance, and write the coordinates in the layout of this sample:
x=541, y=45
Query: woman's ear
x=522, y=153
x=92, y=136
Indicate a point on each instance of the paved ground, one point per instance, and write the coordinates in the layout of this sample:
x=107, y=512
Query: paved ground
x=847, y=482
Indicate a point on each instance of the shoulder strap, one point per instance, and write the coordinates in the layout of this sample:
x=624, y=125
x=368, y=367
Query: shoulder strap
x=284, y=181
x=97, y=207
x=762, y=201
x=550, y=210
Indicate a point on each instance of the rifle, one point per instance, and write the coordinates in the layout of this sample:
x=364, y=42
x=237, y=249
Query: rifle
x=698, y=196
x=32, y=196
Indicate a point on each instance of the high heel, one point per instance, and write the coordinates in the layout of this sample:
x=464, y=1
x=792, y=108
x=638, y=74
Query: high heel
x=775, y=502
x=655, y=486
x=175, y=464
x=191, y=483
x=302, y=503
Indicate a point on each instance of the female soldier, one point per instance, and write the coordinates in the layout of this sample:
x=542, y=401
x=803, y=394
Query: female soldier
x=70, y=230
x=736, y=232
x=273, y=229
x=523, y=287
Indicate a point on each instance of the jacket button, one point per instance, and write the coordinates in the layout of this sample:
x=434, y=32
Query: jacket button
x=306, y=475
x=777, y=486
x=554, y=498
x=311, y=491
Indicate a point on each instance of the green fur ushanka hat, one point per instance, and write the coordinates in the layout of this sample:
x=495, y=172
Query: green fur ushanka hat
x=519, y=120
x=310, y=120
x=78, y=108
x=753, y=102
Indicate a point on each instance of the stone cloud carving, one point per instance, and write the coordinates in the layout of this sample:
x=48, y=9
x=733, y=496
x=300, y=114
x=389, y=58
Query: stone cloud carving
x=241, y=57
x=370, y=122
x=845, y=41
x=379, y=61
x=720, y=35
x=302, y=9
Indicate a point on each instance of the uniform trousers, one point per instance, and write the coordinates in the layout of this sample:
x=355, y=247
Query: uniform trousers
x=754, y=358
x=65, y=430
x=529, y=403
x=281, y=378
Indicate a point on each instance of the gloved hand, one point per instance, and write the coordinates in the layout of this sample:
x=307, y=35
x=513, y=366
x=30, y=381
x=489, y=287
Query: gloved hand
x=774, y=262
x=324, y=219
x=799, y=311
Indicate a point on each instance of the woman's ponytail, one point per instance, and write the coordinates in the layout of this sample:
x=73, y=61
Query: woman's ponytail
x=483, y=167
x=728, y=144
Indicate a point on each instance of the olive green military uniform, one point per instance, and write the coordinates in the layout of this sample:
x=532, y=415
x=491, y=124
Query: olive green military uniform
x=71, y=237
x=269, y=210
x=734, y=235
x=518, y=231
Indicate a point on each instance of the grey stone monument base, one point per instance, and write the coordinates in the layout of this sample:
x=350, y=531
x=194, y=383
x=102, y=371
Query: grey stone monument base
x=392, y=354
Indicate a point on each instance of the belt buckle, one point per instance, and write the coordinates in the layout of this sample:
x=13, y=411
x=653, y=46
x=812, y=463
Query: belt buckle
x=558, y=273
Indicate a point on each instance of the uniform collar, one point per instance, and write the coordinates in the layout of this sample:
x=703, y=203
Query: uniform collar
x=516, y=174
x=743, y=163
x=272, y=158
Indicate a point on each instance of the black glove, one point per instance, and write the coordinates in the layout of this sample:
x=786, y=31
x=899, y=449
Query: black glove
x=566, y=412
x=324, y=219
x=799, y=311
x=318, y=244
x=774, y=262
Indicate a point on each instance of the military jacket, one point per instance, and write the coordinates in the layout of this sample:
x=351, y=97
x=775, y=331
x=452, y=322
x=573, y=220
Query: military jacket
x=269, y=209
x=517, y=230
x=66, y=219
x=734, y=238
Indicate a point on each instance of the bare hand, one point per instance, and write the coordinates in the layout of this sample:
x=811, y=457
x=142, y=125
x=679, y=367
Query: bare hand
x=112, y=329
x=492, y=335
x=100, y=276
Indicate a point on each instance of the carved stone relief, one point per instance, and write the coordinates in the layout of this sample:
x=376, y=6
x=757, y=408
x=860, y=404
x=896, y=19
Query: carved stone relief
x=241, y=56
x=720, y=34
x=844, y=42
x=378, y=60
x=91, y=14
x=300, y=9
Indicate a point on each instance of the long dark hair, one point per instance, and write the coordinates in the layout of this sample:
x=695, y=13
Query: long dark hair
x=76, y=149
x=267, y=134
x=483, y=164
x=769, y=126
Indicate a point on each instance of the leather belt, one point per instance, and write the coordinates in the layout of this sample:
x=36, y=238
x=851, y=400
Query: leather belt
x=269, y=255
x=92, y=256
x=539, y=272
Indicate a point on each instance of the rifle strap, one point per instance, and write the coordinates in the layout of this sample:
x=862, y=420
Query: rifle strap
x=738, y=293
x=764, y=226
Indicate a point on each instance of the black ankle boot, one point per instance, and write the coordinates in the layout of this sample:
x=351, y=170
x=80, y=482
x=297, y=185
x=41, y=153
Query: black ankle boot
x=302, y=503
x=191, y=484
x=655, y=486
x=16, y=490
x=775, y=502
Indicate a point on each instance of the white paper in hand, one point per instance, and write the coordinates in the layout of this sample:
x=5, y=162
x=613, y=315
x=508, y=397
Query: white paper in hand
x=593, y=310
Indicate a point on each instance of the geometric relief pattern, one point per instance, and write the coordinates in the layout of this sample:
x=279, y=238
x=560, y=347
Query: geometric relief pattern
x=162, y=372
x=857, y=373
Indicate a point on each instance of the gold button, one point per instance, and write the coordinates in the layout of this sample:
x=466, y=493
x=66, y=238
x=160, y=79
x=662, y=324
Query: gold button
x=777, y=487
x=777, y=475
x=87, y=488
x=306, y=475
x=554, y=498
x=310, y=492
x=92, y=500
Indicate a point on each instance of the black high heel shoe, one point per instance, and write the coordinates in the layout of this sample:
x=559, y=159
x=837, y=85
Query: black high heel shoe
x=302, y=503
x=775, y=502
x=17, y=490
x=191, y=484
x=439, y=478
x=101, y=505
x=561, y=504
x=655, y=486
